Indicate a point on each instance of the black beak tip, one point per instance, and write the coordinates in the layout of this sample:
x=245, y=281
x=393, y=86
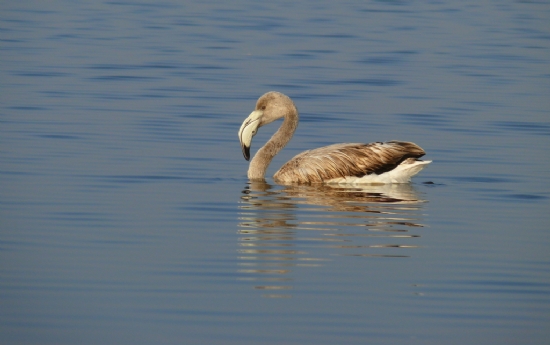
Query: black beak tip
x=246, y=152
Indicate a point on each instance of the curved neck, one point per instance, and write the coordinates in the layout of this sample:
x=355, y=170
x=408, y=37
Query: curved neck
x=264, y=156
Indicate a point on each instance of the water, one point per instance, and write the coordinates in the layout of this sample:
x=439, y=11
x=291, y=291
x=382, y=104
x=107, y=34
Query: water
x=127, y=217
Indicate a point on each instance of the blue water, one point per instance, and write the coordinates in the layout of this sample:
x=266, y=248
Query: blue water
x=126, y=216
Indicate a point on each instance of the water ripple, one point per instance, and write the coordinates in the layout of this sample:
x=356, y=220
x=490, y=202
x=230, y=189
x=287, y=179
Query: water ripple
x=283, y=228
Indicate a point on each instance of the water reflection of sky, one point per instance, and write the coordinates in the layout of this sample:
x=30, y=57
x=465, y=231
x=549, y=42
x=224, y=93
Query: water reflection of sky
x=121, y=174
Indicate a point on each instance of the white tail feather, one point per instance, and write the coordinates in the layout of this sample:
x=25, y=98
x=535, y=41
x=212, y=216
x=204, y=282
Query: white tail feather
x=401, y=174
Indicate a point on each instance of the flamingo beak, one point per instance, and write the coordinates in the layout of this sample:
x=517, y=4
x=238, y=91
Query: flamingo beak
x=248, y=130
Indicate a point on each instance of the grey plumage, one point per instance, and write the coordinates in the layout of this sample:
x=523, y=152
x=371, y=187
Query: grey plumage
x=347, y=159
x=393, y=161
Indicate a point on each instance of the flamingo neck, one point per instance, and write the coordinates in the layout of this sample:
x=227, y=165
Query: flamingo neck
x=264, y=156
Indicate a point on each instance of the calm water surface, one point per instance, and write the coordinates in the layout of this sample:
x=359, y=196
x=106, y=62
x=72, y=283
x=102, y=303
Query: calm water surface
x=126, y=216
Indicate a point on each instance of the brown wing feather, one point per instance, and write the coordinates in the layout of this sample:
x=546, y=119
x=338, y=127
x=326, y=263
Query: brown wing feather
x=341, y=160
